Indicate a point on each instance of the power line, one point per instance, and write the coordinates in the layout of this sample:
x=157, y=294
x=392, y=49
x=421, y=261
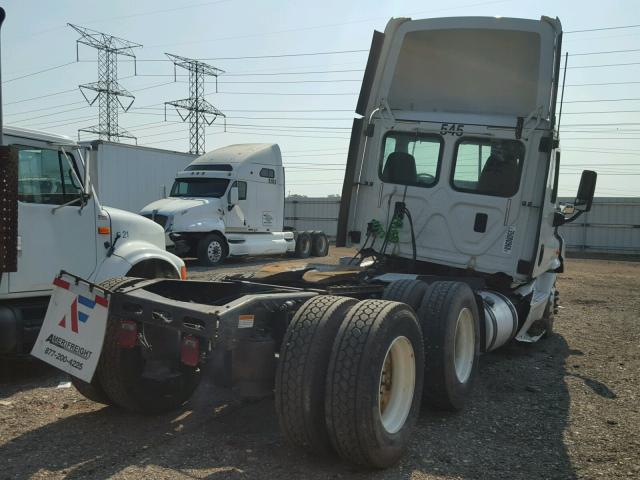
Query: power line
x=604, y=65
x=38, y=72
x=602, y=28
x=41, y=96
x=604, y=53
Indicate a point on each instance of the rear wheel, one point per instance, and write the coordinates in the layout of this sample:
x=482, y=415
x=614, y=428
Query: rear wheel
x=374, y=383
x=319, y=244
x=93, y=390
x=410, y=292
x=212, y=250
x=450, y=323
x=141, y=379
x=302, y=371
x=303, y=245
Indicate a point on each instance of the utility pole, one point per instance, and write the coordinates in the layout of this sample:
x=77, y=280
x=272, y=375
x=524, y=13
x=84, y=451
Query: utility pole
x=108, y=91
x=199, y=111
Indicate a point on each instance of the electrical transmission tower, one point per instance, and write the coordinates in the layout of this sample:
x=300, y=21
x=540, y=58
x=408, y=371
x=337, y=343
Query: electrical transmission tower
x=108, y=91
x=199, y=111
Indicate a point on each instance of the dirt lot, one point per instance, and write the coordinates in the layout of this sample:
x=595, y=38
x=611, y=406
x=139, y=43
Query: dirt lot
x=565, y=408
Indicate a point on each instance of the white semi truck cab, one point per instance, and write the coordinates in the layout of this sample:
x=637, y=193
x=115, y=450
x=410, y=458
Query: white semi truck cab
x=62, y=225
x=230, y=202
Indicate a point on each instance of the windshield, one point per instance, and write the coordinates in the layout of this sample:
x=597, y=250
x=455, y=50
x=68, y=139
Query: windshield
x=199, y=187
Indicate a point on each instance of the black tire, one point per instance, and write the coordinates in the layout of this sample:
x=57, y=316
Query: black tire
x=121, y=373
x=443, y=307
x=228, y=276
x=303, y=245
x=93, y=391
x=410, y=292
x=212, y=250
x=353, y=412
x=319, y=244
x=302, y=371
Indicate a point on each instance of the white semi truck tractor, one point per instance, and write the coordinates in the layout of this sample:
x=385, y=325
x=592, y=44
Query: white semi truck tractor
x=450, y=197
x=230, y=203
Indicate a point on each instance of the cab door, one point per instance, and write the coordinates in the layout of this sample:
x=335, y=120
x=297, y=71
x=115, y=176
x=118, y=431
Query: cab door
x=237, y=219
x=51, y=237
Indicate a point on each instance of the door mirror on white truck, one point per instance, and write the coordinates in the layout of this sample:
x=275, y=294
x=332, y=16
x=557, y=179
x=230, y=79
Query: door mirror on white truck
x=234, y=196
x=586, y=190
x=582, y=204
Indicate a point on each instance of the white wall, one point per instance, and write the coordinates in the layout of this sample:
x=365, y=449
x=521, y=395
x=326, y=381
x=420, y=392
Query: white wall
x=313, y=214
x=612, y=226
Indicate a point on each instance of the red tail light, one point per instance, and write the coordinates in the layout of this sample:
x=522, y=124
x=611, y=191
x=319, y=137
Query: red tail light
x=128, y=334
x=190, y=350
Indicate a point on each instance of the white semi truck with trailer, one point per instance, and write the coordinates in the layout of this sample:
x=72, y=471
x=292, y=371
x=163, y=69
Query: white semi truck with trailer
x=450, y=198
x=230, y=203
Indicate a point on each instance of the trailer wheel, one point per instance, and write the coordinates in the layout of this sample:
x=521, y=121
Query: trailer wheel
x=212, y=250
x=138, y=384
x=450, y=323
x=302, y=371
x=303, y=245
x=374, y=383
x=319, y=244
x=410, y=292
x=93, y=391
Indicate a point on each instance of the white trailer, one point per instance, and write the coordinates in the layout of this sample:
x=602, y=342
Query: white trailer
x=130, y=176
x=230, y=202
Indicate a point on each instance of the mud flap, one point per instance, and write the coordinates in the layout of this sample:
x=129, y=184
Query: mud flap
x=73, y=331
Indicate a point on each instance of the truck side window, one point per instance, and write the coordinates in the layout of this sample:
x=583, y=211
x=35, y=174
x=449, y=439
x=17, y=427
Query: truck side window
x=268, y=173
x=410, y=158
x=488, y=166
x=242, y=189
x=44, y=176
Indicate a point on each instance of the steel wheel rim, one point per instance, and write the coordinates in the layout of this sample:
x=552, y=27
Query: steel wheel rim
x=214, y=251
x=397, y=384
x=464, y=345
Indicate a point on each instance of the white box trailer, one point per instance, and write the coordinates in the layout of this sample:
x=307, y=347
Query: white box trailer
x=130, y=176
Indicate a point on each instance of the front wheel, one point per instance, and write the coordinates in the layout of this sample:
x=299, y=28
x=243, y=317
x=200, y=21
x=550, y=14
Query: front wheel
x=374, y=383
x=212, y=250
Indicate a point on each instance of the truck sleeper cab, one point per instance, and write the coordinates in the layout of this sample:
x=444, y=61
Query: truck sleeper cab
x=230, y=202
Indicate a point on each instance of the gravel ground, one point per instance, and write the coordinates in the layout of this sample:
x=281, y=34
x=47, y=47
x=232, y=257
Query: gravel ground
x=565, y=408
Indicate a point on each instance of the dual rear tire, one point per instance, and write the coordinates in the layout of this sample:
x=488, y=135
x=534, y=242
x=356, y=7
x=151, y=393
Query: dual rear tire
x=350, y=379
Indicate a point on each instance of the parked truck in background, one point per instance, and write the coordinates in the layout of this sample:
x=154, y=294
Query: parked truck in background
x=129, y=177
x=61, y=224
x=230, y=202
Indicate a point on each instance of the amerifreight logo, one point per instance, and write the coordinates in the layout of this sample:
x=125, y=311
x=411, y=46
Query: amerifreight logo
x=81, y=308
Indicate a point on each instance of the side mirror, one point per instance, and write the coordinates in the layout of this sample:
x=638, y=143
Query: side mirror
x=586, y=190
x=233, y=195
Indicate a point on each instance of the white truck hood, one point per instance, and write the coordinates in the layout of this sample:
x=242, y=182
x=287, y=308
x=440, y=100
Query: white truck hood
x=135, y=226
x=175, y=205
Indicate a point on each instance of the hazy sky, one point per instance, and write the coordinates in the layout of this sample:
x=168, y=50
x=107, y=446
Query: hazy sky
x=261, y=108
